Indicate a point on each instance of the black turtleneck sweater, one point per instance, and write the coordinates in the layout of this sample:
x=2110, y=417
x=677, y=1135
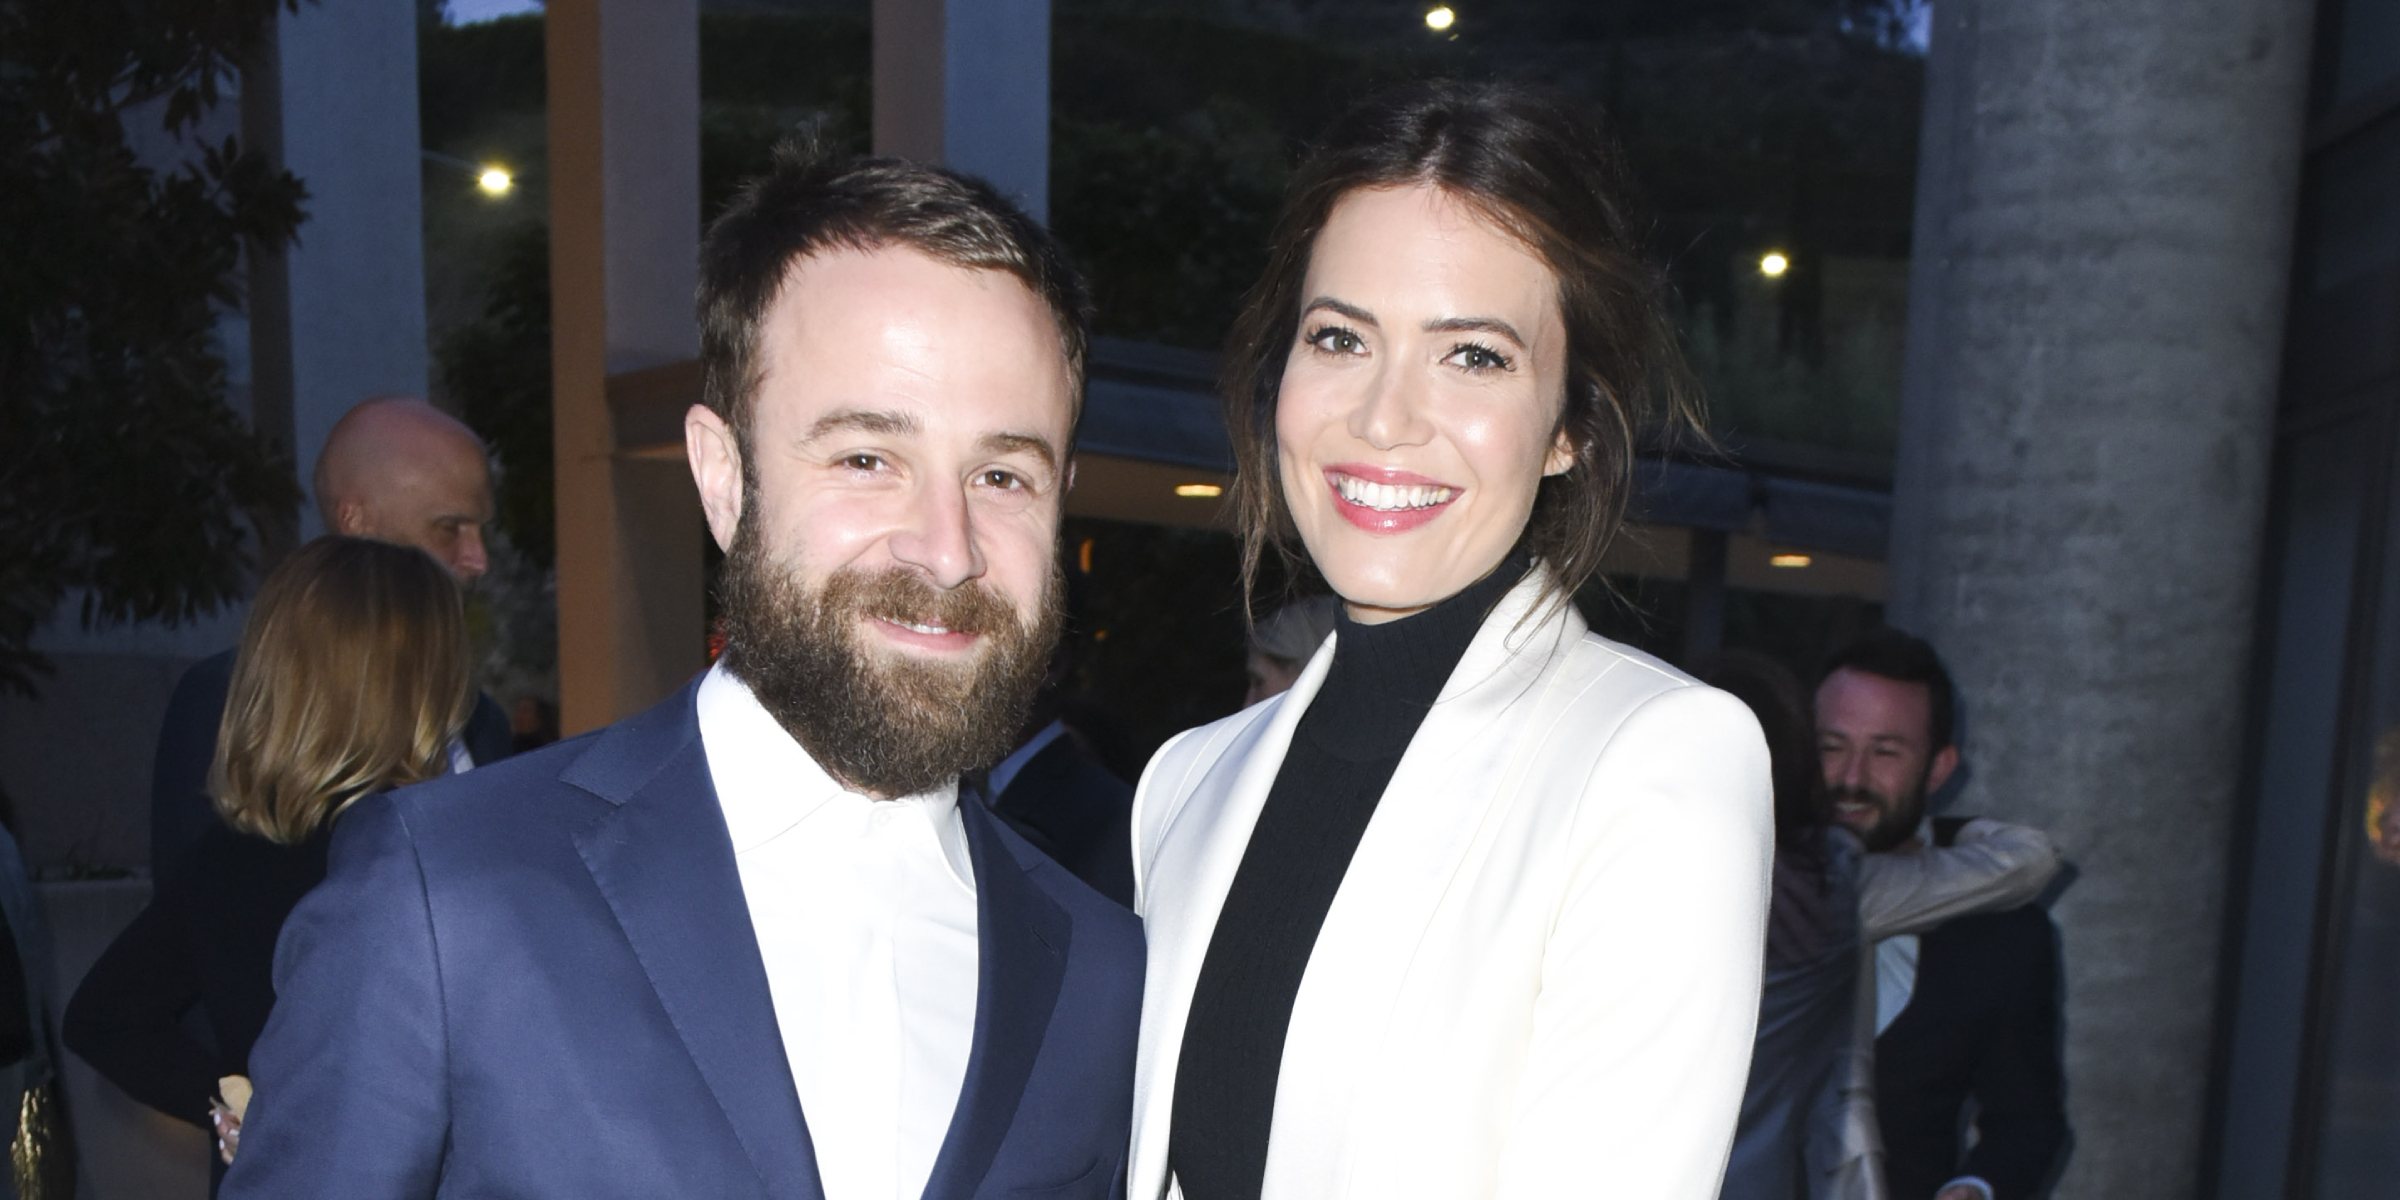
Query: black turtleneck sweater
x=1384, y=679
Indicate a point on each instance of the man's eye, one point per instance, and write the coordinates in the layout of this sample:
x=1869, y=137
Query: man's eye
x=999, y=478
x=861, y=462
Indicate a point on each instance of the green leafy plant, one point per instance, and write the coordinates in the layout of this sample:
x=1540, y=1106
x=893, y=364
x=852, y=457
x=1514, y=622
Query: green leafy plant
x=127, y=479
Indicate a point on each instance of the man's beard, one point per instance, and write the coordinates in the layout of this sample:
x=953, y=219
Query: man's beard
x=1899, y=820
x=882, y=722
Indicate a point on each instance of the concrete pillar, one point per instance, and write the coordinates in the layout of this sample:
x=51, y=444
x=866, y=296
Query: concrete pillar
x=2104, y=215
x=353, y=286
x=624, y=113
x=966, y=83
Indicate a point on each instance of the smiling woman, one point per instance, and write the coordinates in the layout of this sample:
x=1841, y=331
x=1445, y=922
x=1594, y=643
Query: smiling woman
x=1503, y=988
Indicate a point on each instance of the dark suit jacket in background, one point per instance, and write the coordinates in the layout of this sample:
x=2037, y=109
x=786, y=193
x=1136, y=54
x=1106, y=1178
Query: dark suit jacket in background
x=538, y=979
x=180, y=809
x=1982, y=1024
x=207, y=938
x=1072, y=809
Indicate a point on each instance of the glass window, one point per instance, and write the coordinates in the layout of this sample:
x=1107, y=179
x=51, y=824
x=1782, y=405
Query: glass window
x=2359, y=1138
x=2353, y=191
x=2370, y=48
x=2321, y=480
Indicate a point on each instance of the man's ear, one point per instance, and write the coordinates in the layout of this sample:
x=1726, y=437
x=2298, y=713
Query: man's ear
x=1938, y=772
x=350, y=519
x=716, y=458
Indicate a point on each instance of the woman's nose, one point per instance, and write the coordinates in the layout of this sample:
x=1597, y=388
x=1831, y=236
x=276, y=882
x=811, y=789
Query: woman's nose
x=1391, y=412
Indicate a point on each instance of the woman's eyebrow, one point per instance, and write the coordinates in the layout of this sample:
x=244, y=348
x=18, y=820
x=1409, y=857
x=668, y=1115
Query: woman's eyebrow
x=1351, y=311
x=1475, y=325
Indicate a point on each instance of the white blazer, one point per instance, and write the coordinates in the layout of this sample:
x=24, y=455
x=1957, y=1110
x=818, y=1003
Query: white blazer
x=1539, y=977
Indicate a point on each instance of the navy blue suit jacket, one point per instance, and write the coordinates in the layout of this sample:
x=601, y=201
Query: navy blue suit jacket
x=538, y=979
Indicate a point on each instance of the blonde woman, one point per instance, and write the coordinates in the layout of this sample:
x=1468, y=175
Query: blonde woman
x=351, y=679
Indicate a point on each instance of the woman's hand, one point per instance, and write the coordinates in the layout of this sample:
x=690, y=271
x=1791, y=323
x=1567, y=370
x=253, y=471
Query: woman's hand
x=225, y=1113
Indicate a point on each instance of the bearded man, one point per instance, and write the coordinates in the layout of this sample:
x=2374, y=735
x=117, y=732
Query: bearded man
x=749, y=943
x=1969, y=1093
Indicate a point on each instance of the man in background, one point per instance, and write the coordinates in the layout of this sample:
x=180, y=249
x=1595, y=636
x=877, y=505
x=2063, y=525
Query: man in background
x=1967, y=1011
x=1055, y=793
x=395, y=469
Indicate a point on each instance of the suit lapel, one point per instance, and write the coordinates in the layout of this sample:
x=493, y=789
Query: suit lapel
x=665, y=864
x=1020, y=963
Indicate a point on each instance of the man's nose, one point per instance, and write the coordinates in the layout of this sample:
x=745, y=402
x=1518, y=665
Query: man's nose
x=468, y=559
x=938, y=537
x=1844, y=768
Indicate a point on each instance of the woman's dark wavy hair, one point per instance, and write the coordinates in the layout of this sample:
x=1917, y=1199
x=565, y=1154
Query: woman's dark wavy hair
x=1537, y=167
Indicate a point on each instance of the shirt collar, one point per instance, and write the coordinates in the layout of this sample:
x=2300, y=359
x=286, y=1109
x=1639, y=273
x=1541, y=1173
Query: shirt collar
x=766, y=783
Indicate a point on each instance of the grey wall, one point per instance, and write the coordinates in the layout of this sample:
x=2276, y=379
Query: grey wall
x=966, y=83
x=2104, y=216
x=357, y=276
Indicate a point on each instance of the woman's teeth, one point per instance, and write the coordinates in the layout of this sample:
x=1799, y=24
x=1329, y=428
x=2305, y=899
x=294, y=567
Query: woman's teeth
x=1389, y=497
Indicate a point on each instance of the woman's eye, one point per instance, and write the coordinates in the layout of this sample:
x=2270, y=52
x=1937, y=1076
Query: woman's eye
x=1478, y=358
x=1333, y=339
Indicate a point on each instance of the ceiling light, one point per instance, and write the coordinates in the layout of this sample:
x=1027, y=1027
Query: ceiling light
x=1440, y=19
x=1788, y=560
x=1774, y=264
x=495, y=181
x=1198, y=491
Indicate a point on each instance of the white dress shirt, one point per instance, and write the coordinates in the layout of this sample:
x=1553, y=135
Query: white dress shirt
x=865, y=915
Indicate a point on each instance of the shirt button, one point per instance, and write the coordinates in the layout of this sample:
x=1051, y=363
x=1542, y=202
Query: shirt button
x=883, y=815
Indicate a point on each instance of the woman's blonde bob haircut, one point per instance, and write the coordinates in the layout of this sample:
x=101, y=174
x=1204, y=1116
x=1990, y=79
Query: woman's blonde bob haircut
x=352, y=678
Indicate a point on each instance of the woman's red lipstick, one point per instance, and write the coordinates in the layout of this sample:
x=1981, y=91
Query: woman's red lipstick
x=1386, y=499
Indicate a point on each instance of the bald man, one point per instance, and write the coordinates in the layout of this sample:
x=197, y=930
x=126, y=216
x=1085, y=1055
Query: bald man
x=395, y=469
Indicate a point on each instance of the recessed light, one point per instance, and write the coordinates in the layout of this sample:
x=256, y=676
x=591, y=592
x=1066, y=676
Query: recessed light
x=1788, y=560
x=1774, y=264
x=1198, y=491
x=1440, y=19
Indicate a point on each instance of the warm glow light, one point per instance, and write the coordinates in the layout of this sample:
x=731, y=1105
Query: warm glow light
x=1201, y=491
x=1788, y=560
x=1440, y=19
x=1774, y=264
x=495, y=181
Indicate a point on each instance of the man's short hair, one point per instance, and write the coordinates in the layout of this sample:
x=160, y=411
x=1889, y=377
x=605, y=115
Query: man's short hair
x=1891, y=654
x=813, y=201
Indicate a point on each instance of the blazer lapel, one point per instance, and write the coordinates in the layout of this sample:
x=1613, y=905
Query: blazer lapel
x=665, y=864
x=1432, y=817
x=1020, y=964
x=1201, y=848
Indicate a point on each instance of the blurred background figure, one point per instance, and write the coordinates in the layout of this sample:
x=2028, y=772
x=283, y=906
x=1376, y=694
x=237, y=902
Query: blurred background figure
x=1969, y=1085
x=2383, y=814
x=1282, y=644
x=395, y=469
x=28, y=1057
x=1053, y=790
x=352, y=678
x=1801, y=1051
